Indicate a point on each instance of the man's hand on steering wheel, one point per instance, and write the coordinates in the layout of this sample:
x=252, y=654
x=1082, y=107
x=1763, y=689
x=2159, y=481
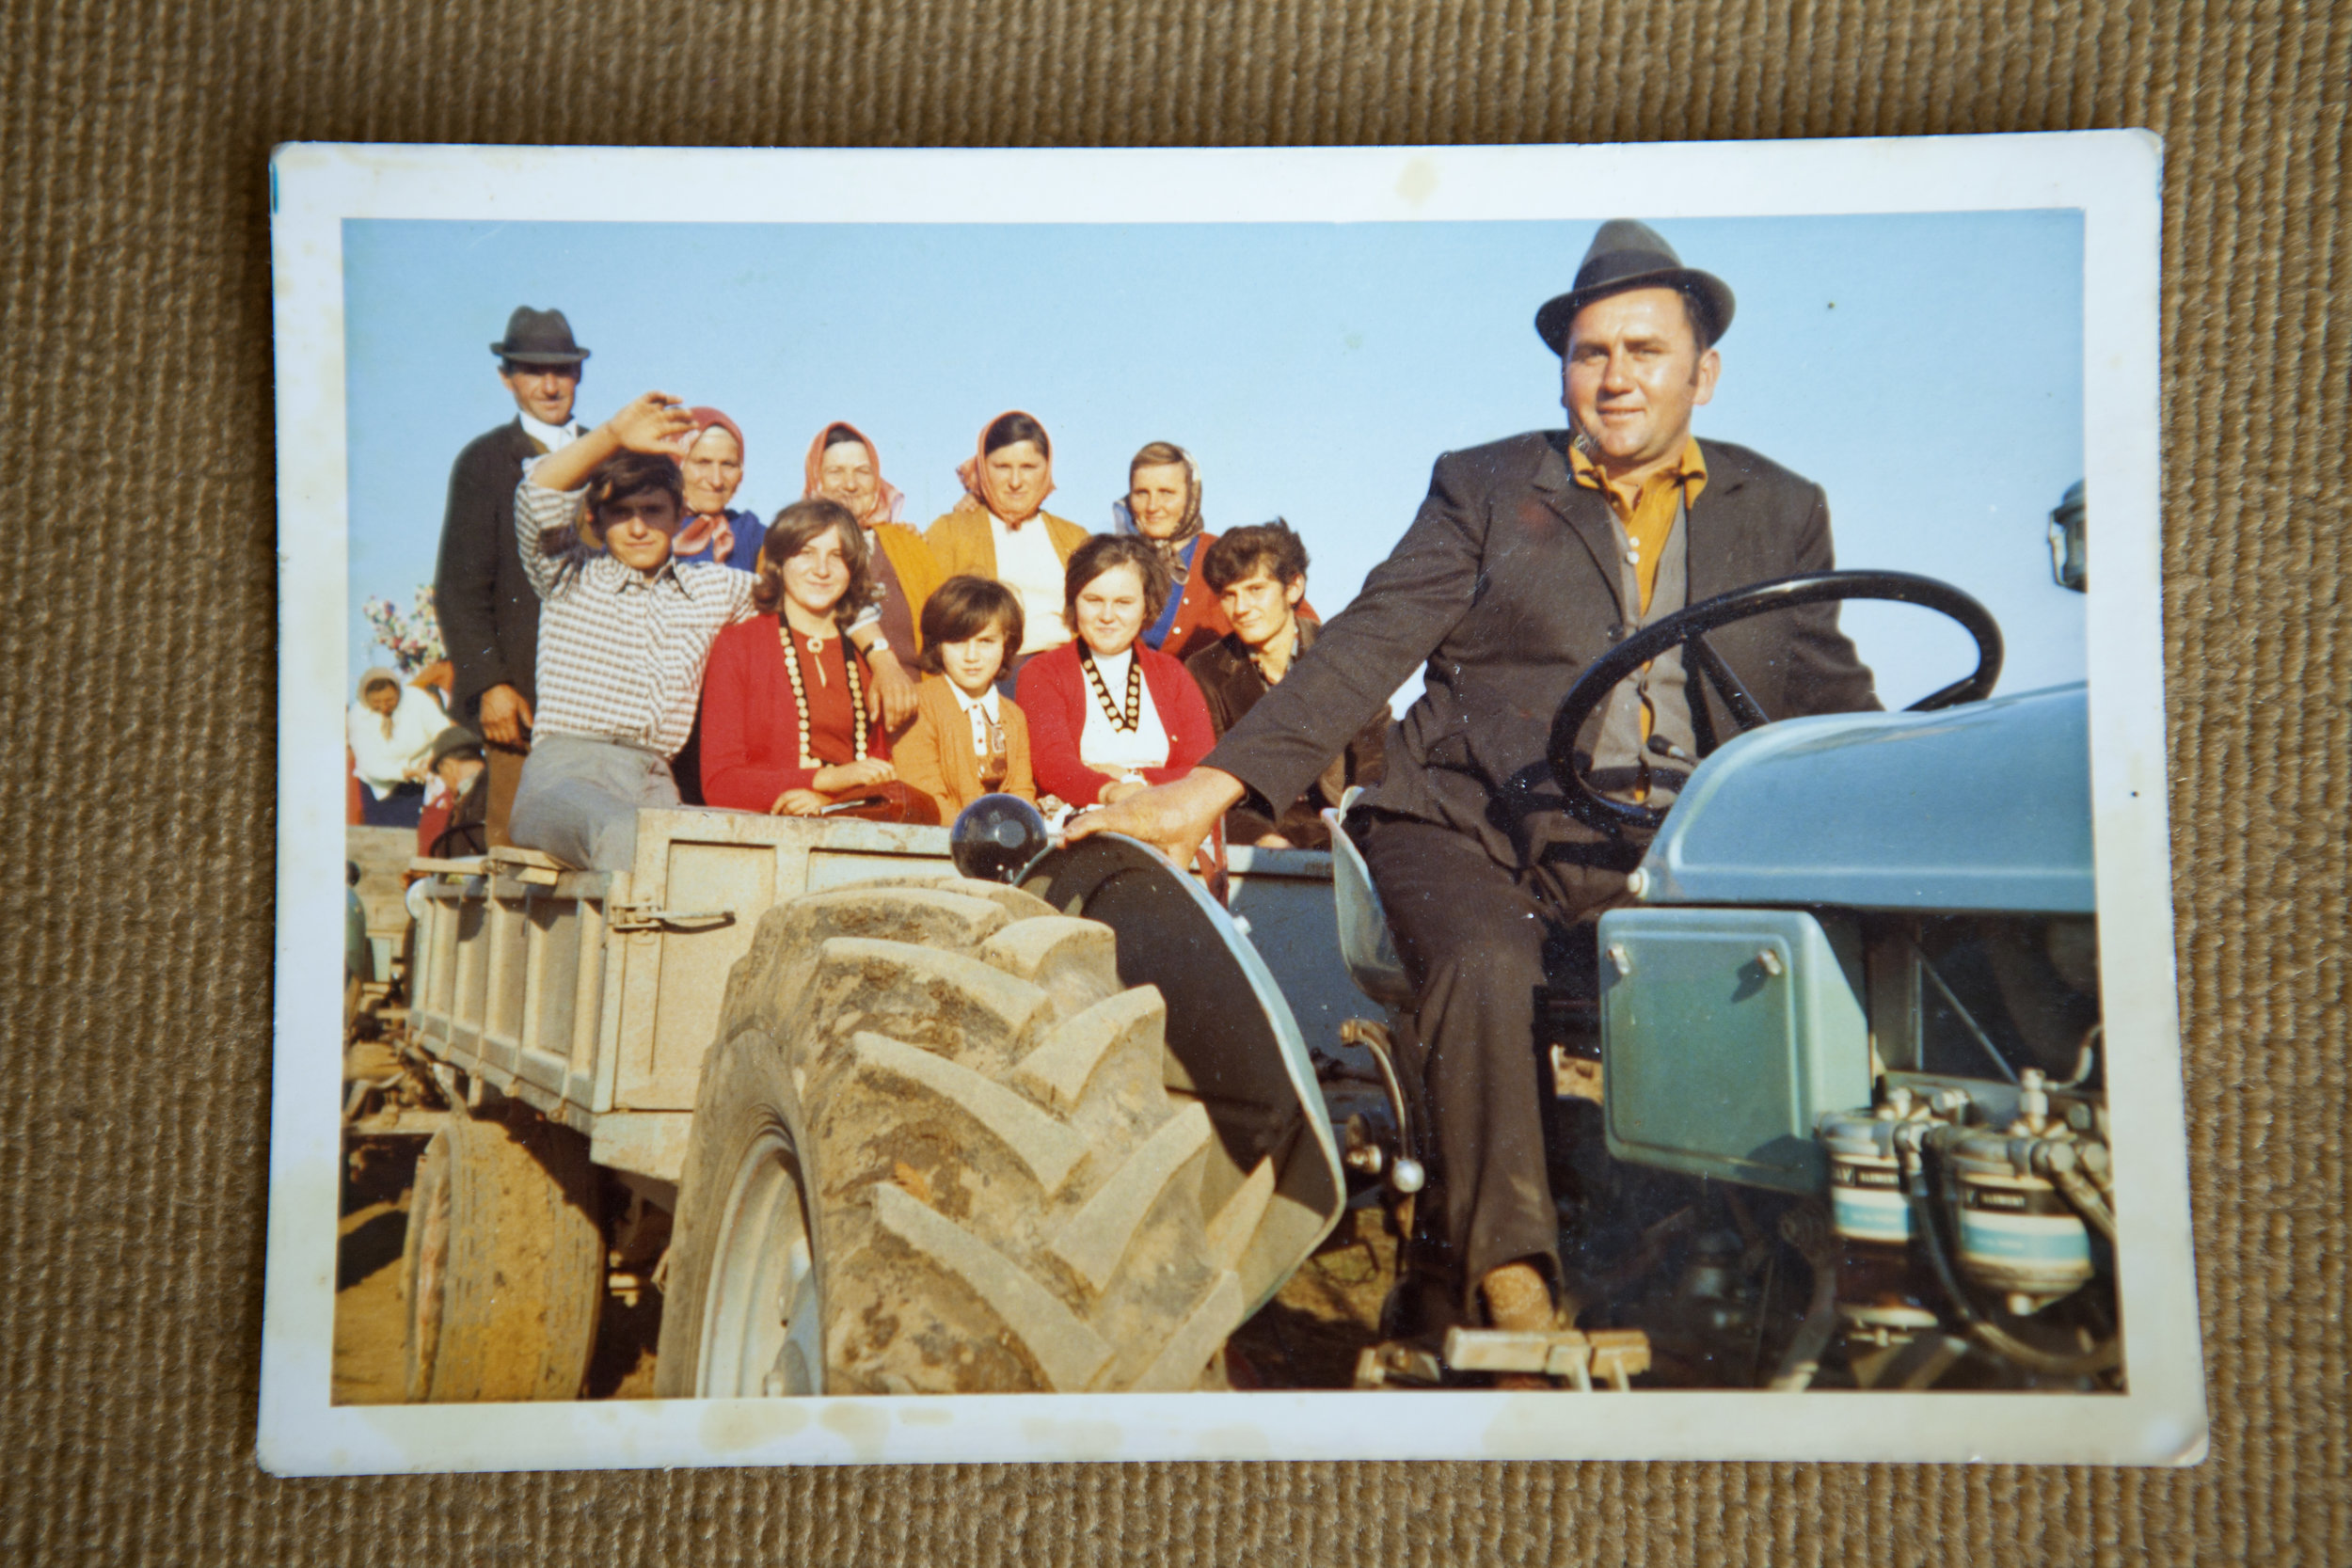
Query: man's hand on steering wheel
x=1688, y=629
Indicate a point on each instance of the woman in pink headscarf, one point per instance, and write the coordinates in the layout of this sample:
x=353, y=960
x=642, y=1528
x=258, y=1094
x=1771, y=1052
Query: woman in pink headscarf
x=712, y=461
x=844, y=466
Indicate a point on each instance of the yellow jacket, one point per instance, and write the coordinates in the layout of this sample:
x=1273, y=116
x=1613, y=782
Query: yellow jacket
x=962, y=546
x=918, y=570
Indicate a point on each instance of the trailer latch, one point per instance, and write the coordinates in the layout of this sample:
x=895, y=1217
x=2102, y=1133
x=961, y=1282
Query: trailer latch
x=641, y=917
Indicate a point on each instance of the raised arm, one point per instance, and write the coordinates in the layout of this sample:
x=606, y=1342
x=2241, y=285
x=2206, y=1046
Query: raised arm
x=651, y=421
x=548, y=496
x=539, y=511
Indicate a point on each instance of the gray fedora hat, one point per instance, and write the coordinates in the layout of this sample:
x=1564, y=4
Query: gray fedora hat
x=538, y=337
x=1630, y=255
x=450, y=741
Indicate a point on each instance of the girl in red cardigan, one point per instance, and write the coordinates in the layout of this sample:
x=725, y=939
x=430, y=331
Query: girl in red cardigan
x=1107, y=716
x=785, y=725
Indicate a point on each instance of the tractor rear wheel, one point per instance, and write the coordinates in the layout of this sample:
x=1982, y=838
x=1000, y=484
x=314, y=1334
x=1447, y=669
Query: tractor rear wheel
x=933, y=1154
x=503, y=1263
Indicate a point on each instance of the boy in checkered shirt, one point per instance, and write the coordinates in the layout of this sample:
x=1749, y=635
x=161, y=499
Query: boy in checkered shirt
x=624, y=633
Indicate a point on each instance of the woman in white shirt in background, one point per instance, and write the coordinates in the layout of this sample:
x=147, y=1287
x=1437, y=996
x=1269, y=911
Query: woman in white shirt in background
x=1001, y=531
x=392, y=728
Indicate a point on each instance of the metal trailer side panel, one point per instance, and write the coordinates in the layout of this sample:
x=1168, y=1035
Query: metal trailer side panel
x=594, y=994
x=711, y=875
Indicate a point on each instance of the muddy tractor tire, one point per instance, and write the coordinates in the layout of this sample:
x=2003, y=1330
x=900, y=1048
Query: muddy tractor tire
x=933, y=1154
x=503, y=1265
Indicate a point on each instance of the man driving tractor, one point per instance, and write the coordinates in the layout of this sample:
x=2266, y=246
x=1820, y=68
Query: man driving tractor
x=1529, y=559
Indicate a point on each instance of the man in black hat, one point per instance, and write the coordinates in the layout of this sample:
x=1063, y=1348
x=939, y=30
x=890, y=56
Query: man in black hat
x=489, y=613
x=1529, y=559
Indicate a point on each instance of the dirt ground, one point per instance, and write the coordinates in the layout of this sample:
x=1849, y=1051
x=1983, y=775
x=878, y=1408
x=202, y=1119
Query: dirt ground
x=1307, y=1337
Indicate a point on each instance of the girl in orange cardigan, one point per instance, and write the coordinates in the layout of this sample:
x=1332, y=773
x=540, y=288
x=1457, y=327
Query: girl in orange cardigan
x=968, y=739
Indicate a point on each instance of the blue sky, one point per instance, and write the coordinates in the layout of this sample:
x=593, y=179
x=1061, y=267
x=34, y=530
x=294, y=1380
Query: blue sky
x=1927, y=369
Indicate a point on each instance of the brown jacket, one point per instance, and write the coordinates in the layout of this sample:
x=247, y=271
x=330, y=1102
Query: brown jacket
x=1231, y=682
x=935, y=754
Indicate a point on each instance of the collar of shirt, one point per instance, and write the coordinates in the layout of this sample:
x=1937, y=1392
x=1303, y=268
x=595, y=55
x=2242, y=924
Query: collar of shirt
x=1646, y=516
x=555, y=437
x=609, y=575
x=1688, y=469
x=985, y=701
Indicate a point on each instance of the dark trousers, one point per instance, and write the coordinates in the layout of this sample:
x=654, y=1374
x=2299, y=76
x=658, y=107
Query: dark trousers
x=400, y=809
x=1478, y=939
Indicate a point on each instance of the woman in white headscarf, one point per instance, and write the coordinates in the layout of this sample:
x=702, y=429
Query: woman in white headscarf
x=392, y=728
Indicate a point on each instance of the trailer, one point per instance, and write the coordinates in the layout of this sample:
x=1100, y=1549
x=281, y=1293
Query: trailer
x=570, y=1016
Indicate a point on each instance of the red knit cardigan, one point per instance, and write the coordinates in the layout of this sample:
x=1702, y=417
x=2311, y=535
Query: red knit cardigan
x=750, y=726
x=1054, y=695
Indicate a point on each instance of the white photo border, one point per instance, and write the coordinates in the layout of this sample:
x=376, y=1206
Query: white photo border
x=2112, y=178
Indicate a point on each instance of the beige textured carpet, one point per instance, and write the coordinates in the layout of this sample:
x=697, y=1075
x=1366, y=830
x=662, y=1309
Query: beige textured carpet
x=134, y=956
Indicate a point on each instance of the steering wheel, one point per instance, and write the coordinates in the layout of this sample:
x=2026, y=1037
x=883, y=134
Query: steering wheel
x=1688, y=629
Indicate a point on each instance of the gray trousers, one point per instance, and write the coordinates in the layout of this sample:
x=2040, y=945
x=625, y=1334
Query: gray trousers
x=578, y=798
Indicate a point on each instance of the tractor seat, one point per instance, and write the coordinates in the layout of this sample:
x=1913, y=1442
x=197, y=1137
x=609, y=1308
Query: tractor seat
x=1365, y=945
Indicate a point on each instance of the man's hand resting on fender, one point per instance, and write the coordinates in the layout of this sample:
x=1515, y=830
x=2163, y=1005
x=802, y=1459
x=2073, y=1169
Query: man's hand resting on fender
x=1173, y=818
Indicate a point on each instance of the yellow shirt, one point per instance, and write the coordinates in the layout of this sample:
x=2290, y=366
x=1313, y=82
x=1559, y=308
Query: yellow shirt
x=1646, y=510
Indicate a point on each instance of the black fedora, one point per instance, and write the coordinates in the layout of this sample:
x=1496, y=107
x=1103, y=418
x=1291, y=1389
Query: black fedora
x=538, y=337
x=1630, y=255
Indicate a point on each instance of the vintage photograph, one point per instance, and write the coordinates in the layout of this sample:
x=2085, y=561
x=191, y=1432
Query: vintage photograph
x=1391, y=803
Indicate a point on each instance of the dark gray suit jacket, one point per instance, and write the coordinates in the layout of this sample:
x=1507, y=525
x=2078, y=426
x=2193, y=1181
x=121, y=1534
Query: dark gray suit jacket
x=489, y=611
x=1507, y=586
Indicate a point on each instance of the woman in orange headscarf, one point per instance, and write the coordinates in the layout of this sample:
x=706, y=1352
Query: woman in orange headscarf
x=1002, y=530
x=844, y=466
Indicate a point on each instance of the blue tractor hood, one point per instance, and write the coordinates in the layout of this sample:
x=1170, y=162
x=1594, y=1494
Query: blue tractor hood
x=1982, y=807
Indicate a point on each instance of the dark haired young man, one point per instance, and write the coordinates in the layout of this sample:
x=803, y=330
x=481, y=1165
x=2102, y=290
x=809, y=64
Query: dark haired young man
x=1258, y=576
x=624, y=633
x=488, y=613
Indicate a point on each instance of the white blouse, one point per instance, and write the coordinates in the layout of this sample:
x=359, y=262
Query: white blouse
x=382, y=759
x=1103, y=746
x=983, y=713
x=1026, y=564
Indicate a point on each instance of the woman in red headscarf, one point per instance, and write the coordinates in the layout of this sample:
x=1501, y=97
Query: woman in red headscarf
x=1002, y=530
x=712, y=462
